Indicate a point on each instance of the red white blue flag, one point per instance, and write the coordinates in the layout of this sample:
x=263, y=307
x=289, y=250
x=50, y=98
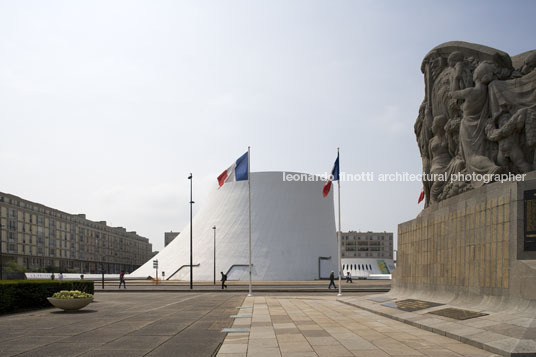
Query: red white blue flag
x=237, y=172
x=333, y=177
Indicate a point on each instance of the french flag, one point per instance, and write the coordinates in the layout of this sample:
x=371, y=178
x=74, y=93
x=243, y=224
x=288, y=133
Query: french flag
x=333, y=177
x=237, y=172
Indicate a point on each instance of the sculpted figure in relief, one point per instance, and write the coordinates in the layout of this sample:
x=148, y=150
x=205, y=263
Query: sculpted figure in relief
x=478, y=116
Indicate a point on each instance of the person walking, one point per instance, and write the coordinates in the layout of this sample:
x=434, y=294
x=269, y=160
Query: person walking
x=60, y=277
x=348, y=277
x=332, y=280
x=223, y=280
x=122, y=280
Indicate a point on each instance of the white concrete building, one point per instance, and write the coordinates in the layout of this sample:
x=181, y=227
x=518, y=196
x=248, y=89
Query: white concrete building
x=293, y=233
x=368, y=268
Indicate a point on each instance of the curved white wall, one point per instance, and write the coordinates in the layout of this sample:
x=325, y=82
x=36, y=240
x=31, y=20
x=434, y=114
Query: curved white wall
x=292, y=225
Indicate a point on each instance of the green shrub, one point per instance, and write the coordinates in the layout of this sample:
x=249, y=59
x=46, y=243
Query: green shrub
x=71, y=294
x=25, y=294
x=12, y=267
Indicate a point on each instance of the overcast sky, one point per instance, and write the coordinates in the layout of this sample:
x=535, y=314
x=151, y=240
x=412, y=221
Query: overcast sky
x=106, y=106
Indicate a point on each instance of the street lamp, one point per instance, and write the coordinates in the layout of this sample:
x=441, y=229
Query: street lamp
x=99, y=251
x=191, y=232
x=214, y=254
x=1, y=262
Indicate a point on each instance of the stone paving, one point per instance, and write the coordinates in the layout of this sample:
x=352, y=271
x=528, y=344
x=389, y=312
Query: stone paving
x=507, y=332
x=134, y=324
x=322, y=326
x=191, y=324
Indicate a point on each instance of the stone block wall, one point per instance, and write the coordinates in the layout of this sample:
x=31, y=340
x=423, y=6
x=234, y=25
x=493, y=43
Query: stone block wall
x=468, y=244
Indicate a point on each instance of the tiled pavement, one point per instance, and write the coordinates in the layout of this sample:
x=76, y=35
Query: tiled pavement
x=507, y=332
x=322, y=326
x=135, y=324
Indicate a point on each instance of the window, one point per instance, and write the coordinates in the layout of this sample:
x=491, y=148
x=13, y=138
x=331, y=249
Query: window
x=11, y=236
x=12, y=225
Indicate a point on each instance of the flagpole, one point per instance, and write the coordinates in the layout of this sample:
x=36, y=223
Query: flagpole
x=339, y=232
x=249, y=212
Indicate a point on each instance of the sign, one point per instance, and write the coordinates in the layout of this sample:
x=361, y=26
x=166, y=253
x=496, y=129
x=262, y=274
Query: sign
x=529, y=205
x=155, y=263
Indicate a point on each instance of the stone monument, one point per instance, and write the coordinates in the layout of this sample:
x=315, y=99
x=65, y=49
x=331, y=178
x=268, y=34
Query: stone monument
x=473, y=246
x=476, y=132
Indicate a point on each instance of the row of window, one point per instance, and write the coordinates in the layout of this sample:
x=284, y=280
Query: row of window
x=115, y=243
x=371, y=244
x=363, y=249
x=357, y=267
x=40, y=220
x=12, y=236
x=364, y=255
x=366, y=238
x=26, y=249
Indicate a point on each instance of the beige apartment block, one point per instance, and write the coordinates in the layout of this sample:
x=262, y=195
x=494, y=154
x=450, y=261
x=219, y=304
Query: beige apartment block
x=36, y=236
x=367, y=245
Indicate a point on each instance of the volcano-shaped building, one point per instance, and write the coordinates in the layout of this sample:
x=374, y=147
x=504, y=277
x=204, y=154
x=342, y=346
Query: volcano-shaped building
x=293, y=233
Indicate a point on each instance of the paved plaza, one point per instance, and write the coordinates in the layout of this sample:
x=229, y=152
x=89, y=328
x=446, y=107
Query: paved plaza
x=191, y=324
x=321, y=326
x=134, y=324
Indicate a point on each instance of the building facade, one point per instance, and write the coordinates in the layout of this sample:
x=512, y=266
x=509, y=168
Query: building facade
x=39, y=237
x=367, y=245
x=169, y=236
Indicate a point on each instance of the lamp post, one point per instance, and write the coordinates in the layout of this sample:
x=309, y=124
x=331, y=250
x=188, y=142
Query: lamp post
x=102, y=271
x=191, y=232
x=1, y=261
x=214, y=254
x=99, y=250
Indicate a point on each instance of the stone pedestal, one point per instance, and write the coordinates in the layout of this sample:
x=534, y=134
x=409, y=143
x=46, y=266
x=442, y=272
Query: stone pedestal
x=473, y=246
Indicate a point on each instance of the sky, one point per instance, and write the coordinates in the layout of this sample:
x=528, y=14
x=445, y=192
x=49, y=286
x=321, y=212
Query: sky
x=107, y=106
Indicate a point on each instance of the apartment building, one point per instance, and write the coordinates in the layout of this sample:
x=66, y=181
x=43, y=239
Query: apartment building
x=367, y=245
x=36, y=236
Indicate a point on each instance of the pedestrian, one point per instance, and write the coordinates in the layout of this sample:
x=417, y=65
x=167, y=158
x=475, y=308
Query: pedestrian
x=348, y=277
x=332, y=280
x=60, y=277
x=52, y=276
x=223, y=280
x=122, y=279
x=81, y=276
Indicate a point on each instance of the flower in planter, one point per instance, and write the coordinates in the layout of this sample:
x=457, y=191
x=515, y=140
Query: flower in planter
x=72, y=294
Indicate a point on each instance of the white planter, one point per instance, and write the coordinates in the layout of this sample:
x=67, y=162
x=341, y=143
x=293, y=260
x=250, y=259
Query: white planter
x=70, y=304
